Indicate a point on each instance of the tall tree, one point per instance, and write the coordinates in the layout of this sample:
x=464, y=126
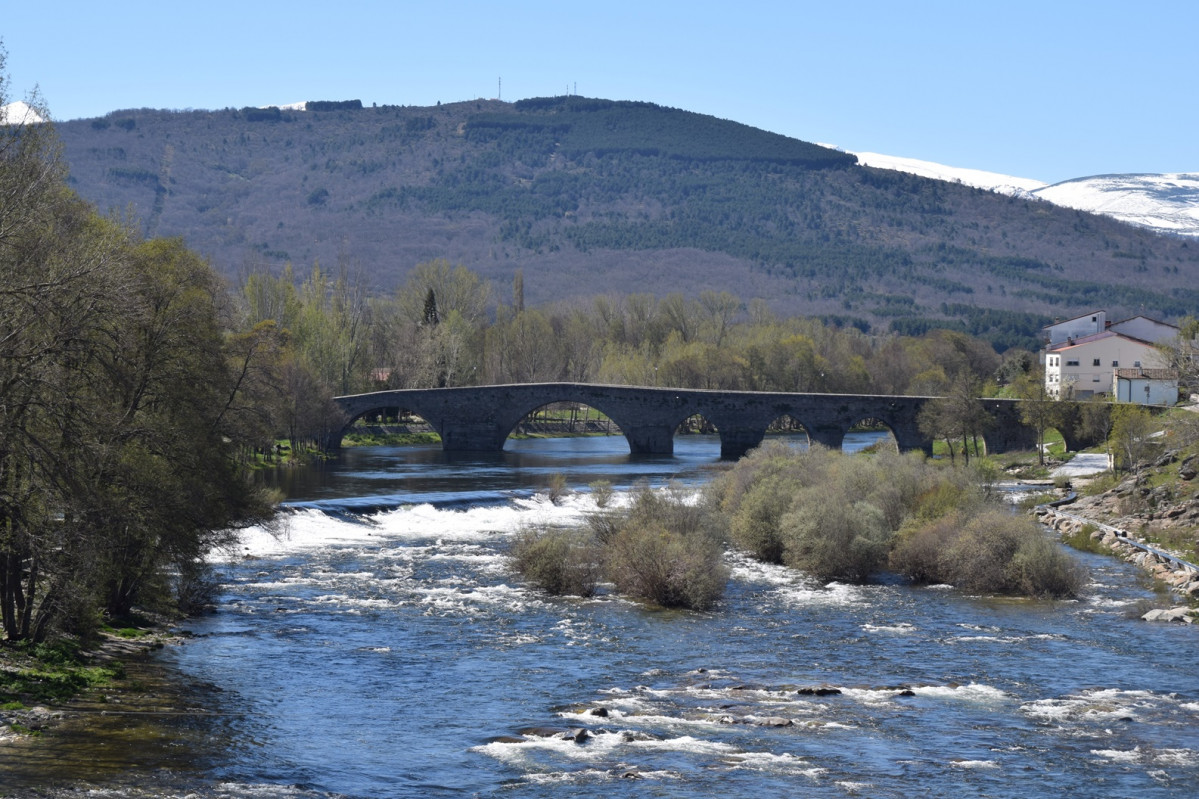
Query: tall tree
x=1038, y=410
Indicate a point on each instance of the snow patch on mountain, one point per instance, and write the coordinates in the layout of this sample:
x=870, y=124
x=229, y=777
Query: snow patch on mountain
x=1165, y=202
x=979, y=179
x=19, y=113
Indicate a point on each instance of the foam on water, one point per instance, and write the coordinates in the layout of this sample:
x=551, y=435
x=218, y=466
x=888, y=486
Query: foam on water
x=306, y=529
x=972, y=764
x=783, y=763
x=974, y=692
x=903, y=628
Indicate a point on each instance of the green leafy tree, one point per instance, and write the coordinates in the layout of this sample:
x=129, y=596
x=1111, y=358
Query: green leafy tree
x=1038, y=410
x=958, y=416
x=1132, y=438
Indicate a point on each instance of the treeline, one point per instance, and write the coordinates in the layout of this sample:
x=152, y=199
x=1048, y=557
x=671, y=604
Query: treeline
x=444, y=327
x=586, y=126
x=125, y=400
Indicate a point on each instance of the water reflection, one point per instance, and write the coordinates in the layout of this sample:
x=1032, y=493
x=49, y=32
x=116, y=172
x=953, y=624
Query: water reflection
x=362, y=479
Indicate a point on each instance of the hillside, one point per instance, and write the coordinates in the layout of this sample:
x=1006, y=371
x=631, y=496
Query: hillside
x=589, y=196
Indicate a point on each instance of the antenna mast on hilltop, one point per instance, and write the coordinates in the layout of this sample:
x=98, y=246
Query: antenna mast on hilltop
x=499, y=89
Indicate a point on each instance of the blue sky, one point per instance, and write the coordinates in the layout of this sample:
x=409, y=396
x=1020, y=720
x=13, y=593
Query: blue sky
x=1047, y=90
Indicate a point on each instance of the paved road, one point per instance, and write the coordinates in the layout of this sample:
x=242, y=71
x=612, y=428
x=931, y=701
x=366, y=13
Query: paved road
x=1083, y=464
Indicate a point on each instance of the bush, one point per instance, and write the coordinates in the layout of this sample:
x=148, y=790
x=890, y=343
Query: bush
x=993, y=552
x=917, y=551
x=558, y=561
x=1040, y=568
x=667, y=567
x=665, y=549
x=755, y=527
x=601, y=493
x=836, y=540
x=557, y=488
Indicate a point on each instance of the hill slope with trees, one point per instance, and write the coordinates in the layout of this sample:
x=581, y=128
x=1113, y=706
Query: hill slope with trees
x=586, y=196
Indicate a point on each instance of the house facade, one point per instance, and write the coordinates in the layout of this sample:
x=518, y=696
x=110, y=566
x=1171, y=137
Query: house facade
x=1084, y=367
x=1083, y=356
x=1078, y=327
x=1146, y=386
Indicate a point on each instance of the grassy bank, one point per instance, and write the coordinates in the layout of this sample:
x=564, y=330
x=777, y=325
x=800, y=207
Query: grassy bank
x=36, y=678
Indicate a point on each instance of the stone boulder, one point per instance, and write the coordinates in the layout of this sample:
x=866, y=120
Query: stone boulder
x=1181, y=614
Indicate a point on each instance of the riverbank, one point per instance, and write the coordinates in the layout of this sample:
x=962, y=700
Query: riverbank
x=42, y=687
x=1142, y=519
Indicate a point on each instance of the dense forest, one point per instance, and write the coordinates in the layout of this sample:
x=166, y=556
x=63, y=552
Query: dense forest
x=588, y=196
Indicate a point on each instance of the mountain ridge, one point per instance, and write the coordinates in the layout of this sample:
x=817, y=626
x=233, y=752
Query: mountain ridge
x=587, y=196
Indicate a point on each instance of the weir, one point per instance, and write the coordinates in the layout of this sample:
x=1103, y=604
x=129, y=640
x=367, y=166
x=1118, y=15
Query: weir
x=480, y=418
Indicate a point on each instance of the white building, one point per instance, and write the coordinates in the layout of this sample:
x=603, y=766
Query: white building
x=1078, y=327
x=1083, y=367
x=1089, y=324
x=1146, y=386
x=1145, y=329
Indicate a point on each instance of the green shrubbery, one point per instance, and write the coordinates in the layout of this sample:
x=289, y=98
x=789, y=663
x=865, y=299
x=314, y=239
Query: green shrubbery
x=558, y=561
x=836, y=517
x=662, y=548
x=991, y=552
x=848, y=518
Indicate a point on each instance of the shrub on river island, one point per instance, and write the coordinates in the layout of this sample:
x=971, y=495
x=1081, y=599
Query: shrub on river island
x=993, y=552
x=559, y=561
x=666, y=549
x=661, y=548
x=849, y=517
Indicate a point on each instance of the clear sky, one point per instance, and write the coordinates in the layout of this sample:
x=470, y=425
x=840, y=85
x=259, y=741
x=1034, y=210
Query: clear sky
x=1046, y=89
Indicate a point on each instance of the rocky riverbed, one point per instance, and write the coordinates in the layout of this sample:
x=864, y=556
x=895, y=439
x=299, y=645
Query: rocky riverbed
x=1148, y=521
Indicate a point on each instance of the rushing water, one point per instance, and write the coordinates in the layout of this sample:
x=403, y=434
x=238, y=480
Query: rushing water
x=377, y=645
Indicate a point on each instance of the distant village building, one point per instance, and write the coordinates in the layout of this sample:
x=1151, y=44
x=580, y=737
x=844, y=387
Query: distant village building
x=1146, y=386
x=1089, y=356
x=1078, y=327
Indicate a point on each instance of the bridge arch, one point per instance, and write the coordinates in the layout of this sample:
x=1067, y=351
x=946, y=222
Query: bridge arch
x=381, y=404
x=566, y=417
x=785, y=426
x=512, y=420
x=870, y=423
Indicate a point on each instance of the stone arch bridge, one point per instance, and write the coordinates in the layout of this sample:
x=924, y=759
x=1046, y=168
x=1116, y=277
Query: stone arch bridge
x=480, y=418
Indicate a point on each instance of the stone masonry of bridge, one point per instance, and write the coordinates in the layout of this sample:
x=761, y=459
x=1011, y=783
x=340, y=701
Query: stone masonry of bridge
x=480, y=418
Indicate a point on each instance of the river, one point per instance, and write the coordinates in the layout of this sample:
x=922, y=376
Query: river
x=376, y=645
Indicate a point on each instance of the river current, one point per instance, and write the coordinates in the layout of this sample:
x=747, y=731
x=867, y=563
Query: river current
x=377, y=645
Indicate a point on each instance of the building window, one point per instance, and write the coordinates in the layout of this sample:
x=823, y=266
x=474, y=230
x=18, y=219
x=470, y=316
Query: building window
x=1115, y=364
x=1095, y=379
x=1137, y=364
x=1072, y=362
x=1095, y=362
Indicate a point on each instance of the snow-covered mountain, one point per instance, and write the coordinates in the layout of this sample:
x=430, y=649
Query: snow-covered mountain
x=1165, y=202
x=19, y=113
x=1168, y=203
x=993, y=181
